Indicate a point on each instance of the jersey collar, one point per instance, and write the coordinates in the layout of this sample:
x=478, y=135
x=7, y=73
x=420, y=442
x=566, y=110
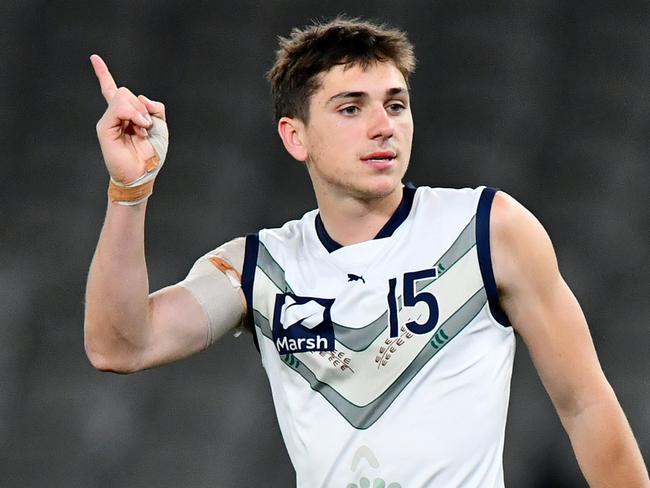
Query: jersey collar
x=399, y=216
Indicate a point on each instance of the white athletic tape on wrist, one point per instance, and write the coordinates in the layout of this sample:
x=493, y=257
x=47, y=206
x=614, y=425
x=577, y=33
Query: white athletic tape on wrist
x=141, y=188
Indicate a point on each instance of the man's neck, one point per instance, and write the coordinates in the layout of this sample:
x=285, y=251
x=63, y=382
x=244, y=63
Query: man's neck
x=351, y=220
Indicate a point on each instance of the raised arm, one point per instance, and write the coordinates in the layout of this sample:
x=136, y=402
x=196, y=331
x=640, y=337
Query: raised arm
x=547, y=316
x=126, y=329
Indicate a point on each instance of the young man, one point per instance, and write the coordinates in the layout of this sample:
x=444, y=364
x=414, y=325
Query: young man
x=385, y=319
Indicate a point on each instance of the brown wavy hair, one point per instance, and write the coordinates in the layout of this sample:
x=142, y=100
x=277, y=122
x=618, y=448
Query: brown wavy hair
x=316, y=48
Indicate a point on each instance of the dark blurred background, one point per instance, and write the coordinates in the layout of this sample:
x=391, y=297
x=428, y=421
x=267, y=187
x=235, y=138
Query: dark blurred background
x=546, y=99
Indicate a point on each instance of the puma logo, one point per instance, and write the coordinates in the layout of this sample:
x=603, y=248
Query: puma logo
x=353, y=277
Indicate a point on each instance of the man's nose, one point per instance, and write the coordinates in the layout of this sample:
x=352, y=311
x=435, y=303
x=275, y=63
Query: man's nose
x=381, y=124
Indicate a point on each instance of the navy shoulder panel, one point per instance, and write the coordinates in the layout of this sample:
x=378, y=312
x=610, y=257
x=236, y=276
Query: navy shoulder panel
x=248, y=278
x=485, y=256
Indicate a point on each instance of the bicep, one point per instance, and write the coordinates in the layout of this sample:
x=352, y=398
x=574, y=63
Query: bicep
x=189, y=316
x=179, y=326
x=543, y=310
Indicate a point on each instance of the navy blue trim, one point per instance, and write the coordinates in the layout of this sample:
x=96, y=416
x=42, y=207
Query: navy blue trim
x=330, y=244
x=485, y=256
x=247, y=279
x=398, y=217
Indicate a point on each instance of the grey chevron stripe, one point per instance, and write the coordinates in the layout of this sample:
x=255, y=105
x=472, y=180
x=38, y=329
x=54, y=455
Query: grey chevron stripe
x=362, y=417
x=359, y=339
x=463, y=243
x=263, y=323
x=272, y=269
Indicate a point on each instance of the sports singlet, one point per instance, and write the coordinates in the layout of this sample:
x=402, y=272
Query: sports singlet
x=389, y=360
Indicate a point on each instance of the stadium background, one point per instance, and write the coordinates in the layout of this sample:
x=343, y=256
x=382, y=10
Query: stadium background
x=547, y=99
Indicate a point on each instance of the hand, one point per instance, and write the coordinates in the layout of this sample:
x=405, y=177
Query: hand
x=122, y=130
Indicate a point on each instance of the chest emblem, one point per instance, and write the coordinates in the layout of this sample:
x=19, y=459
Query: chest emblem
x=353, y=277
x=302, y=324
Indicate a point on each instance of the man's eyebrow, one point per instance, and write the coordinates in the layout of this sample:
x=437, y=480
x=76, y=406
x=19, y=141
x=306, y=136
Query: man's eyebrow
x=397, y=91
x=347, y=94
x=356, y=95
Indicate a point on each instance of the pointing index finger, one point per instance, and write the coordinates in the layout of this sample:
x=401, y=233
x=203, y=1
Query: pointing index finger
x=106, y=81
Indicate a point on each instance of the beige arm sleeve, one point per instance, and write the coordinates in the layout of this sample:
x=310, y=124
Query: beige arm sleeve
x=215, y=282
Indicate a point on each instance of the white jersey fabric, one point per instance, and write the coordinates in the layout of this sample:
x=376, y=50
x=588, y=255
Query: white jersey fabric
x=389, y=360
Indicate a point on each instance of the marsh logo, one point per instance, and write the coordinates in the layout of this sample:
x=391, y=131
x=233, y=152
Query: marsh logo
x=302, y=324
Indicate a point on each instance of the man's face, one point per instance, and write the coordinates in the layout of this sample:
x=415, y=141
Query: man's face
x=359, y=134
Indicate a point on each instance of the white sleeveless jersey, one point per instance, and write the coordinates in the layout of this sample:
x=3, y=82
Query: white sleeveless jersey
x=389, y=360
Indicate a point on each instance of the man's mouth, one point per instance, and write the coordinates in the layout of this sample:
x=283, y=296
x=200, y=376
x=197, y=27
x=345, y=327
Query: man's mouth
x=380, y=158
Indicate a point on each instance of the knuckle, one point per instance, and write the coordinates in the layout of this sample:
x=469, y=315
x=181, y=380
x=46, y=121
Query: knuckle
x=123, y=93
x=99, y=126
x=124, y=108
x=121, y=113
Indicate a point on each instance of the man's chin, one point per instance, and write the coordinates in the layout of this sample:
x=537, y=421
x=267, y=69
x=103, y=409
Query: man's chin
x=378, y=190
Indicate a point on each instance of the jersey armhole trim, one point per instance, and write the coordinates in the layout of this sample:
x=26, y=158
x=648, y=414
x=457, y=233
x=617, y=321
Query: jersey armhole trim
x=484, y=254
x=247, y=279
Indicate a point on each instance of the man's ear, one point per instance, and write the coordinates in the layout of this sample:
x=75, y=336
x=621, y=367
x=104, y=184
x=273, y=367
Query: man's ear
x=292, y=133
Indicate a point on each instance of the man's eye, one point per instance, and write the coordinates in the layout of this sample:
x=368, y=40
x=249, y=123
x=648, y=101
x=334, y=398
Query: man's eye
x=349, y=110
x=396, y=107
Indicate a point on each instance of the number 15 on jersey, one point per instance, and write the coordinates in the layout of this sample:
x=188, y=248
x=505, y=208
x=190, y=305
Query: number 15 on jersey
x=411, y=298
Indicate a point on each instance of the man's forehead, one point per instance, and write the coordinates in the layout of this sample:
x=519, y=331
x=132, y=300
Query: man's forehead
x=376, y=77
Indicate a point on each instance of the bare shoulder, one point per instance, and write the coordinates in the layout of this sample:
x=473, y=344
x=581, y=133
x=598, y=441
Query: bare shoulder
x=513, y=224
x=524, y=261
